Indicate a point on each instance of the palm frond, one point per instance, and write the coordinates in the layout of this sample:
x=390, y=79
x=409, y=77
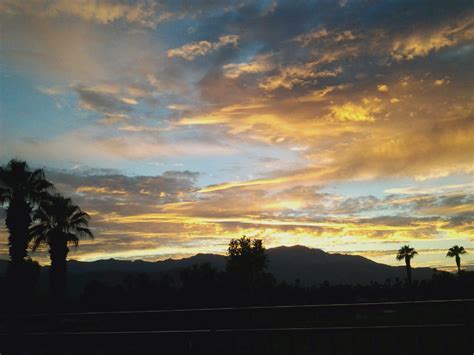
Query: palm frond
x=37, y=175
x=59, y=217
x=84, y=232
x=37, y=242
x=456, y=251
x=406, y=252
x=39, y=235
x=81, y=221
x=72, y=238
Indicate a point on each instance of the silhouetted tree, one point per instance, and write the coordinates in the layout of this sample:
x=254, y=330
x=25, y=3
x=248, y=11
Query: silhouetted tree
x=21, y=189
x=58, y=223
x=247, y=259
x=407, y=253
x=198, y=276
x=456, y=252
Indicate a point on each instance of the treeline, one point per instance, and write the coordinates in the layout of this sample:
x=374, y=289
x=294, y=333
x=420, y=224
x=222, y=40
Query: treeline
x=203, y=286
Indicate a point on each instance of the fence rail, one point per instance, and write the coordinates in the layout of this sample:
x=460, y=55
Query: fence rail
x=250, y=308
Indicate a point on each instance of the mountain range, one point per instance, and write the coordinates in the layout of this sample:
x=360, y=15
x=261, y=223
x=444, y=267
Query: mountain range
x=309, y=266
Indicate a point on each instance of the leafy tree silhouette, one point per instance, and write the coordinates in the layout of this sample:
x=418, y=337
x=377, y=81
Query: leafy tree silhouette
x=407, y=253
x=198, y=276
x=456, y=252
x=247, y=260
x=58, y=223
x=21, y=189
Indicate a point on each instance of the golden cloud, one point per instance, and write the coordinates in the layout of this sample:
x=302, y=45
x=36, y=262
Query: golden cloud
x=260, y=64
x=102, y=12
x=382, y=88
x=421, y=44
x=356, y=113
x=192, y=50
x=298, y=74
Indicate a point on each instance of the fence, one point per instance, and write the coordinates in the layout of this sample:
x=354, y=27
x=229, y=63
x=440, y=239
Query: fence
x=424, y=327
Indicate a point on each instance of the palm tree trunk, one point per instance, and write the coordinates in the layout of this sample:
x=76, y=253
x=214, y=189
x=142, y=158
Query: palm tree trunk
x=458, y=263
x=58, y=272
x=408, y=266
x=17, y=222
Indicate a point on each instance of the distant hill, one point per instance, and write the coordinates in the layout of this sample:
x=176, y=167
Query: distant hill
x=313, y=266
x=310, y=266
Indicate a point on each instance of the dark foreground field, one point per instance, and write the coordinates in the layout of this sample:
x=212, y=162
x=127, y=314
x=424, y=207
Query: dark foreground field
x=428, y=327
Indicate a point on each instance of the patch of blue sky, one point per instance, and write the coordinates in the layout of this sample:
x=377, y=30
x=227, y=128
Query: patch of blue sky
x=27, y=112
x=240, y=165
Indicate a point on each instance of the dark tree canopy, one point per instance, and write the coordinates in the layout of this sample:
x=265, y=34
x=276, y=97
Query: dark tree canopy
x=247, y=260
x=58, y=223
x=21, y=189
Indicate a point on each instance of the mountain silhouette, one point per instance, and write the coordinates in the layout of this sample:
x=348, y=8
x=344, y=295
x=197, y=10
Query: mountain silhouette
x=313, y=266
x=309, y=266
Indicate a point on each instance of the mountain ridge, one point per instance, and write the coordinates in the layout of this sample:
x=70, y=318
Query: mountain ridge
x=307, y=265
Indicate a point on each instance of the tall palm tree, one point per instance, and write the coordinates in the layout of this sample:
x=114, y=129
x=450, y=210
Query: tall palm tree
x=456, y=252
x=20, y=190
x=407, y=253
x=59, y=223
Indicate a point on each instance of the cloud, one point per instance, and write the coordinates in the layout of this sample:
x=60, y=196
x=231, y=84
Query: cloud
x=96, y=100
x=103, y=12
x=307, y=38
x=260, y=64
x=322, y=94
x=420, y=44
x=129, y=101
x=150, y=216
x=417, y=190
x=299, y=74
x=197, y=49
x=85, y=145
x=345, y=36
x=443, y=149
x=441, y=82
x=382, y=88
x=132, y=128
x=357, y=113
x=314, y=36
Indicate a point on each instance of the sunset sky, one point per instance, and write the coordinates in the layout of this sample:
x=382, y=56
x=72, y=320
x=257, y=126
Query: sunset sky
x=341, y=125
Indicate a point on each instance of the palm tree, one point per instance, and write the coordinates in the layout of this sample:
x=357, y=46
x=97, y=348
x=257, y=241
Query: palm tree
x=407, y=253
x=59, y=223
x=20, y=190
x=455, y=252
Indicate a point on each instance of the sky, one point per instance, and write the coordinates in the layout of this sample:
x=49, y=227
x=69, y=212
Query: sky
x=341, y=125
